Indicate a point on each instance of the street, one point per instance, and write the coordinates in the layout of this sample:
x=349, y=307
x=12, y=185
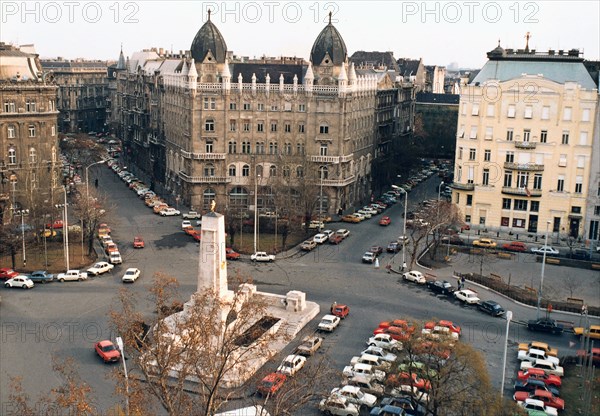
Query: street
x=65, y=319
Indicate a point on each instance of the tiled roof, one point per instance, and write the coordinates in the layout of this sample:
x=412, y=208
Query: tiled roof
x=375, y=58
x=431, y=98
x=261, y=70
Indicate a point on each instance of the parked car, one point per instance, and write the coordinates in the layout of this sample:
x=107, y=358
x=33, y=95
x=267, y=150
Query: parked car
x=185, y=224
x=545, y=325
x=309, y=345
x=314, y=225
x=291, y=365
x=549, y=399
x=7, y=273
x=350, y=218
x=343, y=233
x=414, y=276
x=484, y=243
x=230, y=254
x=384, y=341
x=441, y=287
x=393, y=247
x=536, y=405
x=169, y=212
x=467, y=296
x=320, y=238
x=385, y=221
x=537, y=374
x=533, y=384
x=525, y=346
x=448, y=324
x=329, y=323
x=549, y=250
x=22, y=281
x=336, y=239
x=365, y=214
x=355, y=396
x=547, y=366
x=515, y=246
x=261, y=256
x=271, y=384
x=380, y=352
x=71, y=275
x=363, y=369
x=341, y=311
x=534, y=354
x=592, y=332
x=191, y=215
x=107, y=351
x=376, y=249
x=41, y=276
x=131, y=275
x=491, y=307
x=410, y=407
x=339, y=406
x=452, y=240
x=138, y=242
x=100, y=268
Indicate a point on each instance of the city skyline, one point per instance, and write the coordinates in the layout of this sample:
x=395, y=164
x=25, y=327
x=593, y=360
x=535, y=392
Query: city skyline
x=438, y=32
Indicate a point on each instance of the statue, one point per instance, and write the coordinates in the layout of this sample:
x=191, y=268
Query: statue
x=213, y=205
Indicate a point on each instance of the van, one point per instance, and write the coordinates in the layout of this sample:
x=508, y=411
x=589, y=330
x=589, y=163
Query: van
x=256, y=410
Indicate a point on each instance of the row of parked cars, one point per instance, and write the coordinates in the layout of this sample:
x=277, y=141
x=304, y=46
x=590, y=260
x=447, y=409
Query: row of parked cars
x=333, y=237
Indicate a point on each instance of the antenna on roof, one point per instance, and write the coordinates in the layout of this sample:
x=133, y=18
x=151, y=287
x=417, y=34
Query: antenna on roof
x=209, y=15
x=330, y=16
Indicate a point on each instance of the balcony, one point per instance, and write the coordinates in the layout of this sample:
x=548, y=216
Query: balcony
x=463, y=186
x=523, y=166
x=521, y=191
x=347, y=158
x=203, y=156
x=203, y=179
x=525, y=145
x=324, y=159
x=339, y=182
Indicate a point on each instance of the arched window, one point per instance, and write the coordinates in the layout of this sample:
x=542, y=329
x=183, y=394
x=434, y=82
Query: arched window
x=232, y=147
x=286, y=171
x=209, y=169
x=246, y=170
x=259, y=170
x=299, y=172
x=12, y=156
x=238, y=197
x=273, y=170
x=32, y=155
x=246, y=149
x=323, y=172
x=208, y=196
x=232, y=170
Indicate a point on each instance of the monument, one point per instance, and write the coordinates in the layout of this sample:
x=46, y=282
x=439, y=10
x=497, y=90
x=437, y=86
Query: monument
x=283, y=315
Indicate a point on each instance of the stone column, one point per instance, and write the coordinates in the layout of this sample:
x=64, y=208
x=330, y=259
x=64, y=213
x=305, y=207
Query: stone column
x=212, y=268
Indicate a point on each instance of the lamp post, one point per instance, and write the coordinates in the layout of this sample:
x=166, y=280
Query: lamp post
x=256, y=210
x=65, y=228
x=87, y=180
x=438, y=201
x=321, y=171
x=508, y=319
x=120, y=345
x=404, y=228
x=23, y=212
x=539, y=300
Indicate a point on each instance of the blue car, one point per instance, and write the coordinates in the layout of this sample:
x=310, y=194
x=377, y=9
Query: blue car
x=41, y=276
x=387, y=410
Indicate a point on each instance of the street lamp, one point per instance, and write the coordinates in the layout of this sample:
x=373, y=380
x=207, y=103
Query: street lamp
x=404, y=228
x=65, y=227
x=23, y=212
x=539, y=300
x=438, y=201
x=120, y=345
x=87, y=181
x=256, y=209
x=508, y=319
x=321, y=171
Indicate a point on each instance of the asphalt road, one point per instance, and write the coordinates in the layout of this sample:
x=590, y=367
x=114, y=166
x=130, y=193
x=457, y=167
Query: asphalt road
x=64, y=320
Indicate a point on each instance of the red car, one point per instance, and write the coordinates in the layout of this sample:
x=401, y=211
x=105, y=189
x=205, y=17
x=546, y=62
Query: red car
x=447, y=324
x=190, y=231
x=548, y=398
x=515, y=246
x=196, y=236
x=230, y=254
x=385, y=221
x=340, y=310
x=107, y=351
x=335, y=239
x=56, y=224
x=271, y=383
x=138, y=242
x=409, y=379
x=7, y=273
x=432, y=348
x=539, y=374
x=377, y=250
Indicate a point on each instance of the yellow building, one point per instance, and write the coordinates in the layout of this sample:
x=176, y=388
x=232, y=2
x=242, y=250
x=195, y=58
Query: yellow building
x=524, y=143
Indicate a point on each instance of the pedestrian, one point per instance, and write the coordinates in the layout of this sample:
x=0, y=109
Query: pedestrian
x=462, y=282
x=404, y=266
x=333, y=306
x=96, y=182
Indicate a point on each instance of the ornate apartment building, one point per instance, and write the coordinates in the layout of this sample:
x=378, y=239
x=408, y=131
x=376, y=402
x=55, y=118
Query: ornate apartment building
x=527, y=127
x=82, y=94
x=28, y=130
x=206, y=124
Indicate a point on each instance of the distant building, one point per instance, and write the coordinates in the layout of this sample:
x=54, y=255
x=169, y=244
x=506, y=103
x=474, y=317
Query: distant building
x=208, y=125
x=28, y=130
x=521, y=163
x=413, y=70
x=82, y=94
x=435, y=78
x=439, y=115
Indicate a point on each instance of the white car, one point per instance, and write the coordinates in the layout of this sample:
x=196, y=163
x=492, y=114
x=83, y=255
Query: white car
x=115, y=258
x=361, y=369
x=359, y=216
x=549, y=250
x=547, y=366
x=384, y=341
x=131, y=275
x=533, y=404
x=320, y=238
x=262, y=256
x=291, y=365
x=438, y=331
x=369, y=257
x=534, y=354
x=185, y=224
x=369, y=209
x=313, y=225
x=329, y=323
x=467, y=296
x=355, y=396
x=414, y=276
x=364, y=213
x=100, y=268
x=328, y=233
x=19, y=281
x=168, y=212
x=338, y=406
x=381, y=353
x=72, y=275
x=342, y=232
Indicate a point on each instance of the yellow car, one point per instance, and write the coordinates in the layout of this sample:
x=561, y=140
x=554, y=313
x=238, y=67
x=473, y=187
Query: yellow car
x=350, y=218
x=539, y=346
x=593, y=332
x=484, y=243
x=47, y=233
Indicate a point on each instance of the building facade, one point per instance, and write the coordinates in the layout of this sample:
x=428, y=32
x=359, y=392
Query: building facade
x=82, y=94
x=28, y=131
x=525, y=139
x=208, y=125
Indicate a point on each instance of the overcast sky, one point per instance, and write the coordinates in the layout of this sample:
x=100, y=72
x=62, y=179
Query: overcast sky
x=439, y=32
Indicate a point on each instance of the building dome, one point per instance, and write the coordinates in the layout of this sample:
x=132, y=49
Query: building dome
x=329, y=42
x=498, y=51
x=210, y=39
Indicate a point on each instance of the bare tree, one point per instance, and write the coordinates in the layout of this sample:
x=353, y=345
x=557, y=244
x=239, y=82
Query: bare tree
x=202, y=353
